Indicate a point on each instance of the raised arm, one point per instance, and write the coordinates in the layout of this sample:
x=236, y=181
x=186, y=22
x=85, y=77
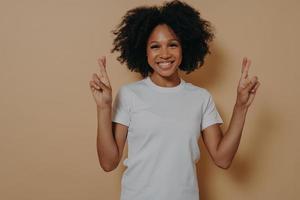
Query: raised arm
x=222, y=148
x=111, y=137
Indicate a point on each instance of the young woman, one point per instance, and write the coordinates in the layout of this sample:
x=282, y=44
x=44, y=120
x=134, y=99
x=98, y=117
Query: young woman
x=162, y=115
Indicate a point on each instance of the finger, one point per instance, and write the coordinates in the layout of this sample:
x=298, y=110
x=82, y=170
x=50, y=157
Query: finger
x=251, y=84
x=91, y=87
x=100, y=63
x=252, y=94
x=103, y=73
x=255, y=87
x=106, y=80
x=243, y=83
x=244, y=61
x=245, y=68
x=94, y=85
x=104, y=61
x=103, y=86
x=96, y=78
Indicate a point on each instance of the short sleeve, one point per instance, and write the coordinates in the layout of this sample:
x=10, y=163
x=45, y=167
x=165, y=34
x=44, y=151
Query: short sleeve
x=210, y=114
x=121, y=107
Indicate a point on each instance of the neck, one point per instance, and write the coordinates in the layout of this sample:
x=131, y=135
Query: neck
x=171, y=81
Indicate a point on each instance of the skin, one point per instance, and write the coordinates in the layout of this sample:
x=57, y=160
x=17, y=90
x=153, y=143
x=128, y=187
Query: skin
x=163, y=45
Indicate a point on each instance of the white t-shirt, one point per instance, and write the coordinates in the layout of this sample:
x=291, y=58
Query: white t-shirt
x=164, y=124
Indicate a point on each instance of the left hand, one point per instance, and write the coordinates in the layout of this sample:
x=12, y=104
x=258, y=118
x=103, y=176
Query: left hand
x=247, y=87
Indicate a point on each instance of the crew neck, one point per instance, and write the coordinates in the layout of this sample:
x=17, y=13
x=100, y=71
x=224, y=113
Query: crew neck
x=153, y=85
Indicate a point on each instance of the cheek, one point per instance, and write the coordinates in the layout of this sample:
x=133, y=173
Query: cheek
x=150, y=57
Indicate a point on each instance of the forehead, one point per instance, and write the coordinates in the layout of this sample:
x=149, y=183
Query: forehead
x=162, y=33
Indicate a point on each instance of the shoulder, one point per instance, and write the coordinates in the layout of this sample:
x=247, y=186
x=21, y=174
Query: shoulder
x=132, y=90
x=202, y=92
x=132, y=87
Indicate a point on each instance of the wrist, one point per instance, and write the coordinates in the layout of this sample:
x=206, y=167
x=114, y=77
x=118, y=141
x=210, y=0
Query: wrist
x=104, y=107
x=239, y=107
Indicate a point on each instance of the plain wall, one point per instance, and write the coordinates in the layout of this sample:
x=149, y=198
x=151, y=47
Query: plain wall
x=48, y=52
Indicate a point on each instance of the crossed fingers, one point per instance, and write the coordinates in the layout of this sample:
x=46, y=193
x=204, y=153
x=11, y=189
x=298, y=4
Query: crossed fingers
x=103, y=74
x=246, y=84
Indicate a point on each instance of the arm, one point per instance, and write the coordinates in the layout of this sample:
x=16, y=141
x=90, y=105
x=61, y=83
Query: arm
x=106, y=146
x=111, y=137
x=222, y=148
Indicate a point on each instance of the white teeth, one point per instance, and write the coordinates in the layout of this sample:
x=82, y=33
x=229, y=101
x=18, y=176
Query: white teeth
x=164, y=64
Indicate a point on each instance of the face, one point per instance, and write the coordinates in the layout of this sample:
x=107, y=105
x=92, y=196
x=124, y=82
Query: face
x=164, y=53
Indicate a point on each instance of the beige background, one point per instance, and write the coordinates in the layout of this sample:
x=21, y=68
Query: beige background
x=48, y=53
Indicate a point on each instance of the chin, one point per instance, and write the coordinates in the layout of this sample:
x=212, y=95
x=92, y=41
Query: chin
x=166, y=73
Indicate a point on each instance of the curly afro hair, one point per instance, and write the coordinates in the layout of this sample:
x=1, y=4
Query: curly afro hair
x=136, y=26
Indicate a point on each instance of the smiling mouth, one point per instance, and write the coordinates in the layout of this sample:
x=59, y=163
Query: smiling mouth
x=165, y=64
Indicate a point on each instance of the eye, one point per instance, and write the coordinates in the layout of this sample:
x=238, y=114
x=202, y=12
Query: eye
x=154, y=46
x=173, y=45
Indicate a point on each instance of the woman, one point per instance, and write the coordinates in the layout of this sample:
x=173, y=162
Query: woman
x=163, y=115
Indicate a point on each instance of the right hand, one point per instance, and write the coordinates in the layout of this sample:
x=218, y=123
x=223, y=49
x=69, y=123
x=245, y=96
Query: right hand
x=100, y=86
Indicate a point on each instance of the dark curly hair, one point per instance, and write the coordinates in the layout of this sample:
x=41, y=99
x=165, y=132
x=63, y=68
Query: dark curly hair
x=136, y=26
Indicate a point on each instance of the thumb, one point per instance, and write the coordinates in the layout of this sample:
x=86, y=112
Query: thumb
x=252, y=83
x=103, y=86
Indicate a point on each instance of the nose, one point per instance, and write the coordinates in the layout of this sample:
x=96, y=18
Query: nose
x=164, y=53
